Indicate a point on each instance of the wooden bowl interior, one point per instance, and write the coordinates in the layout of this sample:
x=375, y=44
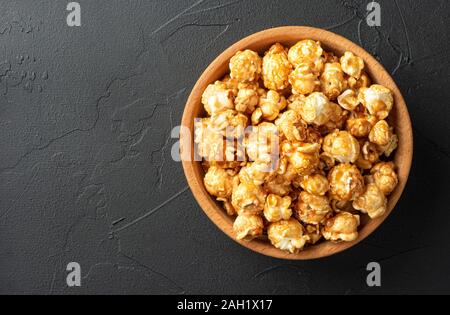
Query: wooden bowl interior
x=288, y=36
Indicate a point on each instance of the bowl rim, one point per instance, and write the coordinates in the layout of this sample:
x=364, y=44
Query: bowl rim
x=268, y=37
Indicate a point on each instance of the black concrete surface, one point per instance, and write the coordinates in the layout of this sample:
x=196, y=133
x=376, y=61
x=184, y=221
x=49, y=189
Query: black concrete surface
x=86, y=173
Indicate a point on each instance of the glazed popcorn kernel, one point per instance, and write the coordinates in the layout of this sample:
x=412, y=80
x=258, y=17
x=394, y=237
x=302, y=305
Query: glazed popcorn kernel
x=255, y=172
x=261, y=144
x=306, y=51
x=287, y=235
x=385, y=177
x=356, y=84
x=291, y=125
x=372, y=201
x=276, y=68
x=317, y=109
x=217, y=98
x=377, y=99
x=332, y=80
x=346, y=182
x=342, y=227
x=296, y=140
x=220, y=182
x=380, y=133
x=312, y=209
x=316, y=184
x=304, y=79
x=245, y=66
x=360, y=125
x=246, y=100
x=271, y=104
x=352, y=65
x=248, y=225
x=277, y=208
x=248, y=198
x=312, y=232
x=342, y=146
x=348, y=99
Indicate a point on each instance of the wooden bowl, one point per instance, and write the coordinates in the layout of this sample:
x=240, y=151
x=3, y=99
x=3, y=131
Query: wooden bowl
x=288, y=36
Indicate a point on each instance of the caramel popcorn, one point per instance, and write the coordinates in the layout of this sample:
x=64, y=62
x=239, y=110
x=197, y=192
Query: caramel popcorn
x=245, y=66
x=342, y=146
x=360, y=125
x=276, y=68
x=277, y=208
x=220, y=182
x=287, y=235
x=332, y=80
x=352, y=65
x=295, y=142
x=216, y=99
x=246, y=100
x=316, y=109
x=377, y=99
x=372, y=201
x=342, y=227
x=346, y=182
x=248, y=225
x=303, y=79
x=312, y=209
x=380, y=133
x=307, y=51
x=385, y=177
x=271, y=104
x=291, y=125
x=316, y=184
x=348, y=99
x=248, y=198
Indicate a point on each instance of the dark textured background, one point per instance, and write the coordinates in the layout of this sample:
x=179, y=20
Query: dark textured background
x=85, y=120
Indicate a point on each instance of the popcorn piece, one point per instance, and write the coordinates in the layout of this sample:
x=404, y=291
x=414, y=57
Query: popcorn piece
x=220, y=182
x=255, y=173
x=287, y=235
x=245, y=66
x=246, y=100
x=279, y=184
x=352, y=65
x=390, y=147
x=370, y=152
x=312, y=232
x=271, y=105
x=248, y=198
x=217, y=98
x=303, y=158
x=377, y=99
x=276, y=68
x=346, y=182
x=312, y=209
x=360, y=125
x=316, y=109
x=291, y=126
x=380, y=133
x=262, y=143
x=307, y=51
x=229, y=123
x=248, y=225
x=356, y=84
x=315, y=184
x=385, y=177
x=342, y=146
x=342, y=227
x=257, y=116
x=372, y=202
x=332, y=80
x=348, y=99
x=277, y=208
x=304, y=79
